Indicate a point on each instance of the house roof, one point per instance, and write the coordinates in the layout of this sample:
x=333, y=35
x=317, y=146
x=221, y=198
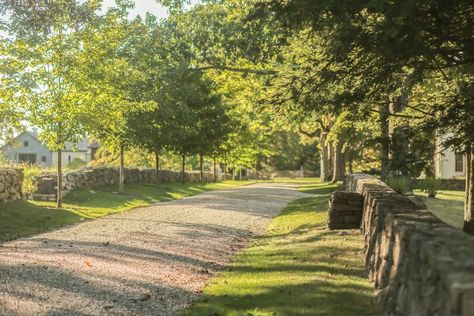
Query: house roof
x=32, y=134
x=81, y=146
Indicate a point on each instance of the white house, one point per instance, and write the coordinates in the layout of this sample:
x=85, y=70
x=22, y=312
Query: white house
x=449, y=164
x=27, y=148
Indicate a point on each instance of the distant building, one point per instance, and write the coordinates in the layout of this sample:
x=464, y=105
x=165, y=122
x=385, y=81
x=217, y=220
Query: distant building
x=449, y=164
x=27, y=148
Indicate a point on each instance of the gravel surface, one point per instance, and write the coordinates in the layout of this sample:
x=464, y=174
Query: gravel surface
x=149, y=261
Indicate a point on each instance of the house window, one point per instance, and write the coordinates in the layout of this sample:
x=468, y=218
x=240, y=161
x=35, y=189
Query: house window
x=29, y=158
x=25, y=143
x=43, y=158
x=458, y=162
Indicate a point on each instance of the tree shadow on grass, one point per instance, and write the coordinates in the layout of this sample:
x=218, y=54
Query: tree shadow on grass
x=317, y=297
x=322, y=189
x=22, y=218
x=301, y=270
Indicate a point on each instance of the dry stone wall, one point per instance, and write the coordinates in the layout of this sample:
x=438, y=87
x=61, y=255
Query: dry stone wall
x=345, y=210
x=447, y=184
x=11, y=181
x=418, y=264
x=96, y=177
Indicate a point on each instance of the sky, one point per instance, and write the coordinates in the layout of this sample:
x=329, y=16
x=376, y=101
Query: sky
x=141, y=8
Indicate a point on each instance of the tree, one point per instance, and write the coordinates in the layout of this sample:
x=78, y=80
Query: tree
x=44, y=82
x=108, y=66
x=213, y=128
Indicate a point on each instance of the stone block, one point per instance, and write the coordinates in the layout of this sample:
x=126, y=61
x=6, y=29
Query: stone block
x=345, y=210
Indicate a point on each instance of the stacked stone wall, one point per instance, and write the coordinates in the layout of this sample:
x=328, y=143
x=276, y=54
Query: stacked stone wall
x=448, y=184
x=418, y=264
x=102, y=176
x=11, y=181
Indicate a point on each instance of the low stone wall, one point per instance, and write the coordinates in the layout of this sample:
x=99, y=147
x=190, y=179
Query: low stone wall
x=418, y=264
x=97, y=177
x=448, y=184
x=345, y=210
x=11, y=181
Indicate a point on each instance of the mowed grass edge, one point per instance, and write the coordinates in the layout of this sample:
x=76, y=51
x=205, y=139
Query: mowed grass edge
x=298, y=268
x=24, y=218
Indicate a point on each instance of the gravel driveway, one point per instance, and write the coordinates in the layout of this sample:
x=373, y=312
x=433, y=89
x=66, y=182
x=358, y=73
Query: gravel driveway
x=149, y=261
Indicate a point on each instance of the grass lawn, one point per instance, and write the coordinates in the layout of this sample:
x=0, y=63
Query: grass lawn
x=302, y=181
x=448, y=206
x=23, y=218
x=321, y=188
x=298, y=268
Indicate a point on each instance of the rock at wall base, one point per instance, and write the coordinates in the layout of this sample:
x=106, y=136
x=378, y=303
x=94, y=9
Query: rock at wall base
x=345, y=210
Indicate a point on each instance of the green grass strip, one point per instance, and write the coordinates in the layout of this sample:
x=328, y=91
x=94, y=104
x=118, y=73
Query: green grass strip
x=298, y=268
x=24, y=218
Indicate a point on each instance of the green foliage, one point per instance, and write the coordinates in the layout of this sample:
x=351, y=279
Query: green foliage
x=400, y=184
x=76, y=163
x=29, y=184
x=430, y=186
x=44, y=78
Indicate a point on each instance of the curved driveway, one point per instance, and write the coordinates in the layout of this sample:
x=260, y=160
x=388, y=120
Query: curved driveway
x=148, y=261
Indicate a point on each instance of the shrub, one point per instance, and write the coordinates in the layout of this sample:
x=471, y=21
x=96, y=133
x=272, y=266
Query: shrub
x=29, y=183
x=400, y=184
x=430, y=186
x=76, y=163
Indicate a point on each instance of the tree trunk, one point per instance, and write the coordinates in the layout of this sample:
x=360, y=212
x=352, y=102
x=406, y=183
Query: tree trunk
x=349, y=159
x=331, y=153
x=215, y=170
x=122, y=170
x=233, y=174
x=240, y=174
x=468, y=204
x=183, y=166
x=59, y=198
x=339, y=166
x=324, y=162
x=157, y=167
x=225, y=167
x=400, y=163
x=201, y=168
x=256, y=171
x=384, y=141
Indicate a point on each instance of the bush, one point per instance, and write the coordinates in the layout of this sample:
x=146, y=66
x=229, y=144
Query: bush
x=430, y=186
x=76, y=163
x=400, y=184
x=29, y=183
